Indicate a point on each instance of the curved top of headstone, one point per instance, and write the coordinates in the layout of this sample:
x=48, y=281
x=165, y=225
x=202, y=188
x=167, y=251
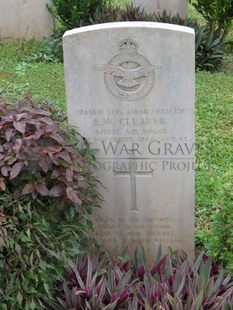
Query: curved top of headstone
x=140, y=24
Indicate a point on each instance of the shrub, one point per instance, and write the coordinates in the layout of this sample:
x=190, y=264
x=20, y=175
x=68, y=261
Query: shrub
x=49, y=51
x=75, y=13
x=47, y=195
x=217, y=13
x=115, y=14
x=209, y=51
x=173, y=282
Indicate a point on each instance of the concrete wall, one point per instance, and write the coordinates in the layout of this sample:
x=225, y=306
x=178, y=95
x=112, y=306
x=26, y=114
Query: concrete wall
x=158, y=6
x=25, y=19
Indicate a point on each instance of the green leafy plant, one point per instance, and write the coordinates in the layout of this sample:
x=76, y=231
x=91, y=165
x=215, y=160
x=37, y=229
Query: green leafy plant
x=47, y=196
x=209, y=52
x=217, y=13
x=108, y=14
x=75, y=13
x=49, y=51
x=172, y=282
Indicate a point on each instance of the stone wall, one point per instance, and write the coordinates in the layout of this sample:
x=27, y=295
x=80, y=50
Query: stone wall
x=25, y=19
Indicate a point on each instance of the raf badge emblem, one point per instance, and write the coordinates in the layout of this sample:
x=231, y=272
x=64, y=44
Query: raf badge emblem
x=128, y=76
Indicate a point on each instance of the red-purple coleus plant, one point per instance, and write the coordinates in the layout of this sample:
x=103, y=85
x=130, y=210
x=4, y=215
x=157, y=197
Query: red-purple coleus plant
x=36, y=158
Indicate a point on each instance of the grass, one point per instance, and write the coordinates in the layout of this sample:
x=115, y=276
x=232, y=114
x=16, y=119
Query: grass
x=214, y=100
x=213, y=143
x=17, y=76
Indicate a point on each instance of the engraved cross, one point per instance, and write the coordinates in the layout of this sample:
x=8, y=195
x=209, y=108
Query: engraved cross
x=133, y=173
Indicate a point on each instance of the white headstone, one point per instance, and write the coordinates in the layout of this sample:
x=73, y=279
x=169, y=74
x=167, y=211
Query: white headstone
x=25, y=19
x=172, y=7
x=130, y=91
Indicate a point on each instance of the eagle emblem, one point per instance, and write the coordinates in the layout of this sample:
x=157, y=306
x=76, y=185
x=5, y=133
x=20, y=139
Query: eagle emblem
x=128, y=76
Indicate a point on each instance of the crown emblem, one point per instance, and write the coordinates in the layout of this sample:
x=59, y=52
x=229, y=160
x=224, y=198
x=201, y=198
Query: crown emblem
x=128, y=45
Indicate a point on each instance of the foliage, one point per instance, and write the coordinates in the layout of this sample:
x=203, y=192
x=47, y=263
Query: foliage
x=173, y=282
x=209, y=53
x=75, y=13
x=49, y=51
x=217, y=13
x=36, y=159
x=115, y=14
x=47, y=195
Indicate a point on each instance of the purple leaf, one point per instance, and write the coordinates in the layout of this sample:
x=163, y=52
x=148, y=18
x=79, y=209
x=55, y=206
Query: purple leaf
x=51, y=128
x=6, y=120
x=57, y=138
x=18, y=117
x=53, y=149
x=56, y=191
x=28, y=189
x=44, y=163
x=20, y=126
x=9, y=134
x=46, y=120
x=17, y=147
x=80, y=161
x=69, y=175
x=8, y=146
x=15, y=170
x=74, y=196
x=31, y=121
x=42, y=189
x=65, y=156
x=5, y=170
x=35, y=136
x=39, y=133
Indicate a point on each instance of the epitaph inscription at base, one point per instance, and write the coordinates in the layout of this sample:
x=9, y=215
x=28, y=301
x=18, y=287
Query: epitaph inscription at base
x=134, y=101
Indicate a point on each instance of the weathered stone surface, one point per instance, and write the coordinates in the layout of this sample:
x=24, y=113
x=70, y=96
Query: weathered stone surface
x=24, y=19
x=172, y=7
x=130, y=91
